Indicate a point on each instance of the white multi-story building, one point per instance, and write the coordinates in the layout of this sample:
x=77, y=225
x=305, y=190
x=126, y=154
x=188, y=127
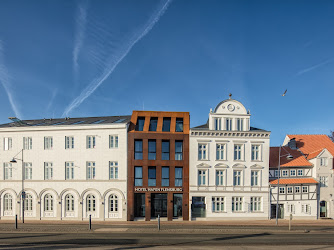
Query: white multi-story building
x=229, y=166
x=68, y=168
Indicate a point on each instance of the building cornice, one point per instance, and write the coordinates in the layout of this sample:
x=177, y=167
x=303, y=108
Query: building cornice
x=232, y=134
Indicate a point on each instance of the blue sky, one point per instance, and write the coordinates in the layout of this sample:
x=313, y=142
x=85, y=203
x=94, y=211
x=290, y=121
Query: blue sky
x=96, y=58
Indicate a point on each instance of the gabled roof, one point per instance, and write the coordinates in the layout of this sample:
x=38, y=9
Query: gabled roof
x=294, y=181
x=310, y=145
x=298, y=160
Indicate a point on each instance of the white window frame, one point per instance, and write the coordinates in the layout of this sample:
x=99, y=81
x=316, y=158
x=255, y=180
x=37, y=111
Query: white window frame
x=69, y=142
x=91, y=203
x=28, y=203
x=304, y=189
x=69, y=203
x=91, y=141
x=202, y=177
x=27, y=143
x=203, y=151
x=238, y=154
x=256, y=152
x=217, y=123
x=323, y=161
x=221, y=151
x=113, y=170
x=27, y=170
x=323, y=181
x=302, y=172
x=228, y=124
x=69, y=170
x=293, y=172
x=113, y=203
x=291, y=208
x=289, y=190
x=220, y=176
x=8, y=171
x=255, y=174
x=8, y=202
x=48, y=170
x=285, y=173
x=256, y=204
x=218, y=204
x=297, y=190
x=276, y=173
x=113, y=141
x=7, y=143
x=91, y=174
x=237, y=205
x=237, y=178
x=48, y=203
x=48, y=142
x=306, y=208
x=282, y=190
x=240, y=124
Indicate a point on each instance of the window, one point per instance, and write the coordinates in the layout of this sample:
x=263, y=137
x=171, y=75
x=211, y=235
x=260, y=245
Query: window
x=27, y=143
x=285, y=173
x=165, y=176
x=69, y=142
x=323, y=161
x=255, y=178
x=152, y=150
x=8, y=171
x=217, y=123
x=138, y=149
x=291, y=208
x=113, y=141
x=165, y=150
x=69, y=203
x=289, y=190
x=282, y=190
x=178, y=177
x=69, y=170
x=220, y=175
x=220, y=152
x=8, y=202
x=48, y=170
x=27, y=170
x=305, y=189
x=7, y=143
x=48, y=142
x=240, y=124
x=255, y=152
x=152, y=176
x=138, y=176
x=90, y=170
x=90, y=203
x=228, y=123
x=297, y=190
x=256, y=204
x=113, y=170
x=91, y=141
x=300, y=172
x=179, y=125
x=178, y=150
x=306, y=208
x=292, y=172
x=28, y=203
x=153, y=124
x=140, y=124
x=323, y=181
x=237, y=152
x=201, y=177
x=236, y=204
x=48, y=203
x=166, y=124
x=113, y=203
x=237, y=178
x=202, y=151
x=218, y=204
x=276, y=173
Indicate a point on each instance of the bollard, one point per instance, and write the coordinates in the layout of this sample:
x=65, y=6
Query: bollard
x=15, y=221
x=90, y=222
x=290, y=222
x=158, y=222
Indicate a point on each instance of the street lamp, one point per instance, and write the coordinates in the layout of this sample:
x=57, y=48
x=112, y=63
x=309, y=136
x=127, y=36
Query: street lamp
x=14, y=160
x=289, y=157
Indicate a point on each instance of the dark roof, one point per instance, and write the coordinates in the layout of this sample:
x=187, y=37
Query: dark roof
x=69, y=121
x=206, y=127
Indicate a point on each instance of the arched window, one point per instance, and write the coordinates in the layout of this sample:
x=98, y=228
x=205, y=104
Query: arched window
x=8, y=202
x=90, y=203
x=69, y=203
x=48, y=203
x=113, y=203
x=28, y=203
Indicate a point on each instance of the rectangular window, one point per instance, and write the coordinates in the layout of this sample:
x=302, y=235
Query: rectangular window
x=240, y=124
x=202, y=151
x=166, y=124
x=27, y=170
x=178, y=177
x=165, y=150
x=153, y=124
x=113, y=170
x=201, y=177
x=48, y=142
x=255, y=152
x=292, y=172
x=323, y=161
x=306, y=208
x=8, y=171
x=27, y=143
x=220, y=175
x=289, y=190
x=138, y=149
x=256, y=204
x=140, y=124
x=90, y=170
x=138, y=176
x=48, y=171
x=165, y=176
x=291, y=208
x=237, y=204
x=217, y=123
x=69, y=170
x=179, y=150
x=300, y=172
x=229, y=124
x=237, y=152
x=220, y=151
x=276, y=173
x=305, y=189
x=152, y=176
x=152, y=150
x=7, y=143
x=113, y=141
x=255, y=178
x=91, y=141
x=297, y=190
x=69, y=142
x=218, y=204
x=179, y=125
x=237, y=178
x=323, y=181
x=282, y=190
x=285, y=173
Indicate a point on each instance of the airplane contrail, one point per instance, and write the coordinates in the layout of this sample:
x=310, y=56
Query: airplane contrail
x=117, y=59
x=301, y=72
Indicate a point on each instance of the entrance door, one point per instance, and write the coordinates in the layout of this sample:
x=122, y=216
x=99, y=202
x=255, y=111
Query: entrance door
x=323, y=209
x=198, y=207
x=158, y=205
x=139, y=205
x=177, y=205
x=280, y=211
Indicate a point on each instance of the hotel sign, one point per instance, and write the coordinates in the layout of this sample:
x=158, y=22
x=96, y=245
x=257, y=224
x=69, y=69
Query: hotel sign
x=158, y=189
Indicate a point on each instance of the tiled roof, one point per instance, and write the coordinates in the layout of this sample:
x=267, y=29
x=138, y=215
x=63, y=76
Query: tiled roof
x=298, y=160
x=294, y=181
x=311, y=144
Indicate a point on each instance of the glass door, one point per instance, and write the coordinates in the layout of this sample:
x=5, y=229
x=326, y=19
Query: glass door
x=158, y=205
x=177, y=205
x=139, y=205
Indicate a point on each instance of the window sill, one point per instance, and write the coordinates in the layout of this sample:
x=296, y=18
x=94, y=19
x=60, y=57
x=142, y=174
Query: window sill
x=219, y=212
x=238, y=212
x=203, y=159
x=257, y=212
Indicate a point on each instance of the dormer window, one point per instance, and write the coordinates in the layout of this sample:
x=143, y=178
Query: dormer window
x=229, y=124
x=218, y=124
x=240, y=124
x=323, y=161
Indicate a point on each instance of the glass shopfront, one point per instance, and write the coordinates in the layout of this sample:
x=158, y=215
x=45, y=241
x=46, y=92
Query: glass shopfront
x=158, y=205
x=198, y=207
x=139, y=205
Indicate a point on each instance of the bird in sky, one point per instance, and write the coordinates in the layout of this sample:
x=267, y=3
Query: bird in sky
x=285, y=92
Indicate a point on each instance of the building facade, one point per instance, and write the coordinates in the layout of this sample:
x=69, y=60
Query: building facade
x=158, y=165
x=68, y=168
x=229, y=166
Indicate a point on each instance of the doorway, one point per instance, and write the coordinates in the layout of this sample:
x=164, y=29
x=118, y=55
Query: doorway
x=139, y=205
x=177, y=205
x=323, y=209
x=158, y=205
x=280, y=211
x=198, y=207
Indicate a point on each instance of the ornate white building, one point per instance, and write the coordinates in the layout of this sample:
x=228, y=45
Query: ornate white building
x=229, y=166
x=68, y=168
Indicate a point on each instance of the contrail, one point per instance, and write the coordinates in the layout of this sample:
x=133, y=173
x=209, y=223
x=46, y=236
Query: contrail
x=54, y=93
x=117, y=59
x=301, y=72
x=5, y=81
